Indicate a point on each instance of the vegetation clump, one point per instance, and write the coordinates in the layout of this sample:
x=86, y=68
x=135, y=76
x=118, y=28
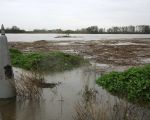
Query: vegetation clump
x=134, y=83
x=47, y=62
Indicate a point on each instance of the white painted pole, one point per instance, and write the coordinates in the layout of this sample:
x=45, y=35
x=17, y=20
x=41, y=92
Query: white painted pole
x=7, y=85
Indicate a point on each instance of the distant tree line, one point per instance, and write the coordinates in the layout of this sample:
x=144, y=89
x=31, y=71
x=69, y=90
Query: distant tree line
x=143, y=29
x=14, y=29
x=140, y=29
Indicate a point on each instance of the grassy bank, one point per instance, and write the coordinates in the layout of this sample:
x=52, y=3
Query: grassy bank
x=134, y=83
x=47, y=62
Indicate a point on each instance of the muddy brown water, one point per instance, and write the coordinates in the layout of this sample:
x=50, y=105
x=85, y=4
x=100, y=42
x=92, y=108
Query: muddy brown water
x=60, y=102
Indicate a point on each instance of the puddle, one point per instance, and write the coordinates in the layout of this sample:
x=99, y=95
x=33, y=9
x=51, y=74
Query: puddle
x=90, y=57
x=65, y=43
x=126, y=43
x=145, y=60
x=104, y=66
x=70, y=51
x=59, y=103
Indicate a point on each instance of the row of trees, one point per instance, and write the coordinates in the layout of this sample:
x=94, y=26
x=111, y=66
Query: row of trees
x=145, y=29
x=14, y=29
x=140, y=29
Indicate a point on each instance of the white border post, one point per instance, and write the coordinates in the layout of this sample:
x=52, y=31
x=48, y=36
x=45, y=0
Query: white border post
x=7, y=85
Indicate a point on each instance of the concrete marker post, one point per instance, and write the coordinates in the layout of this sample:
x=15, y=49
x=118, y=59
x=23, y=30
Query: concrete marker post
x=7, y=84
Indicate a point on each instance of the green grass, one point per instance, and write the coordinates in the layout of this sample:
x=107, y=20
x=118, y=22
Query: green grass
x=46, y=62
x=134, y=83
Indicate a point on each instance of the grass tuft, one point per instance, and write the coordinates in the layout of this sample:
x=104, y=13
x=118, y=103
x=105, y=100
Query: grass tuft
x=47, y=62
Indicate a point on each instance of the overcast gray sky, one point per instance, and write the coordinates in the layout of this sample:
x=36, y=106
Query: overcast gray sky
x=73, y=14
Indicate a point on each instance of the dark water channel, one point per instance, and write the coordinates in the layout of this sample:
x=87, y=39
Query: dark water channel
x=77, y=93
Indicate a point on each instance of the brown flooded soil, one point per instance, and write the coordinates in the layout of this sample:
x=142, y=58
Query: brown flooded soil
x=129, y=52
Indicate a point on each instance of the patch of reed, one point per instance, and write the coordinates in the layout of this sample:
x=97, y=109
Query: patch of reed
x=27, y=85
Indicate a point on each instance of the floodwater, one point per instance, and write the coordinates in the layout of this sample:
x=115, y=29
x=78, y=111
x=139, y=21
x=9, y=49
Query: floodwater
x=76, y=91
x=85, y=37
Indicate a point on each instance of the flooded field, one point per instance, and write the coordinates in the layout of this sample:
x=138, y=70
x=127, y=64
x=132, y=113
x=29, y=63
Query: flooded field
x=76, y=97
x=80, y=37
x=130, y=52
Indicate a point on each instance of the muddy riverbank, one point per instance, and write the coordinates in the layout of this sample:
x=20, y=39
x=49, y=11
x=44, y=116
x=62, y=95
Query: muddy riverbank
x=110, y=54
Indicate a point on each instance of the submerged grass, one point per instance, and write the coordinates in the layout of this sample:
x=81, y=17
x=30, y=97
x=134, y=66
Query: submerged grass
x=93, y=107
x=27, y=85
x=50, y=62
x=133, y=83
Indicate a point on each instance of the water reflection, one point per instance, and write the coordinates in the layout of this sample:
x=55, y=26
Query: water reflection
x=80, y=37
x=8, y=109
x=76, y=96
x=98, y=104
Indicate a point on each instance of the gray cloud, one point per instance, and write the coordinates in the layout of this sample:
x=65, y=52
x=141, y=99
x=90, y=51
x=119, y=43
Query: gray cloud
x=72, y=14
